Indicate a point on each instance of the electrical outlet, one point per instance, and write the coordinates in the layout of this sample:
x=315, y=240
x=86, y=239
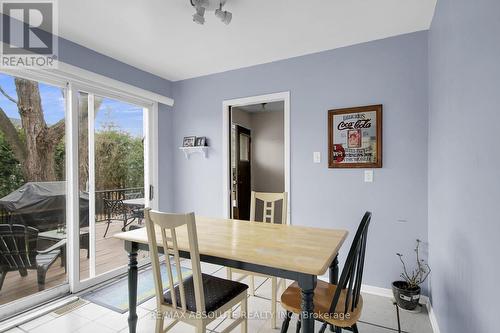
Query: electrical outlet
x=368, y=176
x=317, y=157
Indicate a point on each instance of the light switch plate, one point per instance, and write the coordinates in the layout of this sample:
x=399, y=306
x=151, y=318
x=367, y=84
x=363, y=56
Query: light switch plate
x=317, y=157
x=368, y=176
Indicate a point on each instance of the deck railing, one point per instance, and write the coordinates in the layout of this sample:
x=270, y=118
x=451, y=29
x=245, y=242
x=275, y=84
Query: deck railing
x=101, y=214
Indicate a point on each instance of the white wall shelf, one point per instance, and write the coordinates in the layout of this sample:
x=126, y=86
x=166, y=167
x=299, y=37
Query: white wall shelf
x=188, y=151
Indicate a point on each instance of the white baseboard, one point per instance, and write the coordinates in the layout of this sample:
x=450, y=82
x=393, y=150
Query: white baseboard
x=424, y=300
x=433, y=318
x=384, y=292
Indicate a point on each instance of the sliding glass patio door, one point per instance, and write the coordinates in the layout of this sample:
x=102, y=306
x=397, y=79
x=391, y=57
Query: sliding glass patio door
x=33, y=192
x=113, y=140
x=77, y=165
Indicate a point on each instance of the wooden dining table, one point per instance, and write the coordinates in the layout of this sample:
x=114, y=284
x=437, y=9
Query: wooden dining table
x=292, y=252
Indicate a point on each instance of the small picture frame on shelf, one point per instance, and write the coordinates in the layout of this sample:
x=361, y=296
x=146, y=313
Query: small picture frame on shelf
x=189, y=141
x=201, y=141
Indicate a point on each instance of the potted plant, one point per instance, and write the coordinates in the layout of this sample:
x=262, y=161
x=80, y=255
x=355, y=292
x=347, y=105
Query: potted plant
x=407, y=292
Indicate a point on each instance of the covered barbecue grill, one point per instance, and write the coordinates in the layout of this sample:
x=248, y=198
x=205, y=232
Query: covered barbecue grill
x=42, y=205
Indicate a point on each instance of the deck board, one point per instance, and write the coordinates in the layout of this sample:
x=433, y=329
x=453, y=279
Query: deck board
x=109, y=255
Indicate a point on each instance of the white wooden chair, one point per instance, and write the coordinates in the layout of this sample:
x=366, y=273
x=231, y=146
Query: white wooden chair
x=198, y=299
x=268, y=216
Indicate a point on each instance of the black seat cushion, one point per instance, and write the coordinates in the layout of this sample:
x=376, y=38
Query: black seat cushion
x=217, y=292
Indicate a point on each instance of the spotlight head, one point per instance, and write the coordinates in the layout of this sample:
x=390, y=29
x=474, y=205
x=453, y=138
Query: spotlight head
x=200, y=3
x=224, y=15
x=199, y=16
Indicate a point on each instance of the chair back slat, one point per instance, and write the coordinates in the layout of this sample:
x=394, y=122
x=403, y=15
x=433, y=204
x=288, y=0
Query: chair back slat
x=6, y=255
x=359, y=277
x=166, y=252
x=18, y=245
x=179, y=270
x=349, y=288
x=269, y=206
x=158, y=223
x=352, y=273
x=21, y=242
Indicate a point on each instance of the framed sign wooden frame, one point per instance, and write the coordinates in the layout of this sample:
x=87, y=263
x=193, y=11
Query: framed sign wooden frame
x=355, y=137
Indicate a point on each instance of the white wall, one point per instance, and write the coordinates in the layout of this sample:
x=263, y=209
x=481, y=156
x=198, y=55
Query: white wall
x=267, y=148
x=268, y=157
x=241, y=118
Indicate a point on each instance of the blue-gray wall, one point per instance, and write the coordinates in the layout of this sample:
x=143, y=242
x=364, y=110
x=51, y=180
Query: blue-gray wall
x=464, y=159
x=392, y=72
x=77, y=55
x=85, y=58
x=80, y=56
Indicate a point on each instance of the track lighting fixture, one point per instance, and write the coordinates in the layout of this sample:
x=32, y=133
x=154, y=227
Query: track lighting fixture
x=210, y=5
x=223, y=15
x=199, y=16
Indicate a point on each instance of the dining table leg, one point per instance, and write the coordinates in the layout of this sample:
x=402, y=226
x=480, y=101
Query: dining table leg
x=307, y=284
x=132, y=249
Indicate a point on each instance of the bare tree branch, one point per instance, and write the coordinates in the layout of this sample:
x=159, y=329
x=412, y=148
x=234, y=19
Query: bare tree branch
x=12, y=137
x=8, y=96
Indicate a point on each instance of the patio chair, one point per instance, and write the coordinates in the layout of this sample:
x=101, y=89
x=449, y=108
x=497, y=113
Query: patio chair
x=138, y=211
x=117, y=210
x=18, y=252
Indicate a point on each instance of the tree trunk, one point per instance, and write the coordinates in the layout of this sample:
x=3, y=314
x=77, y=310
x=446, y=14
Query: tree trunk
x=40, y=140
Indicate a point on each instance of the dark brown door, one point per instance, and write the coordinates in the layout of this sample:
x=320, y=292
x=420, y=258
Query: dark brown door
x=243, y=172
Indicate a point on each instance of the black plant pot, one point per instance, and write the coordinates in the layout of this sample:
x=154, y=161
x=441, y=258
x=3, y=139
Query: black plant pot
x=406, y=297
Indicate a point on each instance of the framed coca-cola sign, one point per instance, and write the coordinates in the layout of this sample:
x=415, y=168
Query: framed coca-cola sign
x=355, y=137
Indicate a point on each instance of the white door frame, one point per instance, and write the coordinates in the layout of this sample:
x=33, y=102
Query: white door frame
x=226, y=128
x=150, y=126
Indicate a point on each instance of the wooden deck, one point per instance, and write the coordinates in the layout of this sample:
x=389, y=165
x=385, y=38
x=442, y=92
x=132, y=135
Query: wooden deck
x=109, y=255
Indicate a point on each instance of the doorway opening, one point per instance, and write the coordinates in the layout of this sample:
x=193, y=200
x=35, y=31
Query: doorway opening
x=257, y=156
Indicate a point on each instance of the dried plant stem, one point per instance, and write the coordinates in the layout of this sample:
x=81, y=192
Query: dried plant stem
x=419, y=274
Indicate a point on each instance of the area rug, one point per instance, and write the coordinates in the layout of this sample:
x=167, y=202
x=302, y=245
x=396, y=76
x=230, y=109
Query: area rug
x=115, y=296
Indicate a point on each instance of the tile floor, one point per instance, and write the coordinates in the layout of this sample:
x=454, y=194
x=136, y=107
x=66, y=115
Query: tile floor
x=378, y=316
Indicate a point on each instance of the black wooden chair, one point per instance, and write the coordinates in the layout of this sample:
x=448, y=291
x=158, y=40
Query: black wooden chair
x=18, y=252
x=336, y=305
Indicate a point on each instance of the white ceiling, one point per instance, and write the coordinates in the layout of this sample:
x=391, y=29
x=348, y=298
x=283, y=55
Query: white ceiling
x=269, y=107
x=159, y=36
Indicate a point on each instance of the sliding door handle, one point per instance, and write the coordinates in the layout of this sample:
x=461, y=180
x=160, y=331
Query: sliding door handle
x=151, y=192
